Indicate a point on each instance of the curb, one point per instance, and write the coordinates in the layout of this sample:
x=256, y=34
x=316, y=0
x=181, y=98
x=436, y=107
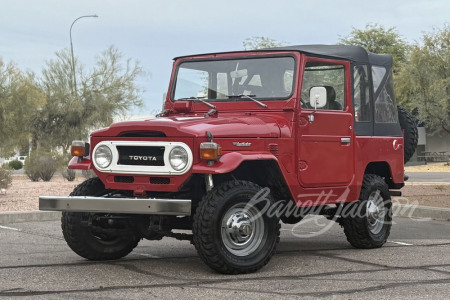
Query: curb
x=399, y=210
x=28, y=216
x=421, y=212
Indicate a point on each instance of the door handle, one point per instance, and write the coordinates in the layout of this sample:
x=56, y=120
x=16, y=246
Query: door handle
x=345, y=140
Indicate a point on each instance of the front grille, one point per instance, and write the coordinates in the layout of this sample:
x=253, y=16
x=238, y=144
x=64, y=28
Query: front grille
x=141, y=155
x=159, y=180
x=124, y=179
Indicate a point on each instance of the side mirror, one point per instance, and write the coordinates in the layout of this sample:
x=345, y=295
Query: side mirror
x=318, y=97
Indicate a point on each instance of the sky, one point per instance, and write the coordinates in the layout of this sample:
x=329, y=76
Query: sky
x=154, y=31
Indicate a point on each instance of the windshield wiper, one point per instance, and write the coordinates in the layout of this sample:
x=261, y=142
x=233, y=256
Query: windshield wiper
x=199, y=99
x=249, y=97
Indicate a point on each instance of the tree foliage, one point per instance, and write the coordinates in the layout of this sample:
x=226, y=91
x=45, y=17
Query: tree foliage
x=424, y=80
x=377, y=39
x=51, y=112
x=19, y=100
x=260, y=42
x=108, y=89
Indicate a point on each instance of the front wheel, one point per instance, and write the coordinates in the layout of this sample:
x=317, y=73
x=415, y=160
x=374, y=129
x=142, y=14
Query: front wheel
x=234, y=231
x=90, y=240
x=367, y=222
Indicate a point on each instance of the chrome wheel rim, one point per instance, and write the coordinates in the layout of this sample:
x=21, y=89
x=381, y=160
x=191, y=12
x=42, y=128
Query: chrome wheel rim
x=242, y=229
x=375, y=212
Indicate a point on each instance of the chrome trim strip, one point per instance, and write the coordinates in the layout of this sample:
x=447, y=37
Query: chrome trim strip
x=176, y=207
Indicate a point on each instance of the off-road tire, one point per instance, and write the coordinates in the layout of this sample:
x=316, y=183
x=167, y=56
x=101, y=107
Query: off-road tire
x=208, y=232
x=410, y=133
x=79, y=237
x=356, y=222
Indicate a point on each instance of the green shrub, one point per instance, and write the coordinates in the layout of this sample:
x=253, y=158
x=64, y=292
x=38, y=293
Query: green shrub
x=5, y=177
x=69, y=174
x=15, y=164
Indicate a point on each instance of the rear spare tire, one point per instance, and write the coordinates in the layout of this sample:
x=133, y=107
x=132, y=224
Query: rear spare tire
x=410, y=134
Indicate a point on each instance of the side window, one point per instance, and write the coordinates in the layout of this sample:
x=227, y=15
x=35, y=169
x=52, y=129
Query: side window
x=363, y=112
x=331, y=76
x=377, y=76
x=385, y=105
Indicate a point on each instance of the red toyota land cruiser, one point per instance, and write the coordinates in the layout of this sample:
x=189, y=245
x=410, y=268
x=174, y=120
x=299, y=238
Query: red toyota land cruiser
x=246, y=139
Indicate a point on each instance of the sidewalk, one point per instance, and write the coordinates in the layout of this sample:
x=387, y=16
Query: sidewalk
x=28, y=216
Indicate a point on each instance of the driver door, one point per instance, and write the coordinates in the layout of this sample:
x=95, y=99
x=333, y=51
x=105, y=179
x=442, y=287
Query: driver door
x=326, y=140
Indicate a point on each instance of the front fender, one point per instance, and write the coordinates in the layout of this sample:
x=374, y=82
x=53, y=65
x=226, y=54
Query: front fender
x=230, y=162
x=77, y=163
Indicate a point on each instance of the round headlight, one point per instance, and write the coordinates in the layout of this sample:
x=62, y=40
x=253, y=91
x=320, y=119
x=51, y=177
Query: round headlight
x=103, y=156
x=178, y=158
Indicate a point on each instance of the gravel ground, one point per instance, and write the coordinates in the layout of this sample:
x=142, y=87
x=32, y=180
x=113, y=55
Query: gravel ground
x=426, y=195
x=429, y=167
x=23, y=194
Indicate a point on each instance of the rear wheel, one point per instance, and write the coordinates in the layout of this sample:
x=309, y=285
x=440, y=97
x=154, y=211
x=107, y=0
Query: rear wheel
x=233, y=234
x=367, y=222
x=90, y=241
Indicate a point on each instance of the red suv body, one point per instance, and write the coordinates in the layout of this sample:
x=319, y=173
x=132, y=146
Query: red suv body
x=316, y=125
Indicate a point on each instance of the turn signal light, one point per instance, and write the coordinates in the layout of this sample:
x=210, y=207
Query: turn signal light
x=79, y=148
x=210, y=151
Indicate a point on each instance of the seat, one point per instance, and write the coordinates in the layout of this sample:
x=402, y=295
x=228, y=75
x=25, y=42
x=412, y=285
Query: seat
x=331, y=99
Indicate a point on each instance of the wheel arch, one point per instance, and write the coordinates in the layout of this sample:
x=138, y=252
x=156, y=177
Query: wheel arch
x=265, y=173
x=382, y=169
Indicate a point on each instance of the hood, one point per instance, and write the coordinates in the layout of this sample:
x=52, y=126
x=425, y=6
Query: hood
x=222, y=126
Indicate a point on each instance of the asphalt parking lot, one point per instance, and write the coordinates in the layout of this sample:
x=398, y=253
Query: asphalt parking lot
x=313, y=261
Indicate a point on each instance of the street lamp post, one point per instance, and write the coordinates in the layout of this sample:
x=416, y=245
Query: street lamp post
x=71, y=50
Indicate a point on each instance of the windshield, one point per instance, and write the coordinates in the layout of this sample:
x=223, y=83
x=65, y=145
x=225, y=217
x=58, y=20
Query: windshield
x=231, y=79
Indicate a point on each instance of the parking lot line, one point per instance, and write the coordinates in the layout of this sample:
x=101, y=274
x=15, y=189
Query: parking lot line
x=400, y=243
x=9, y=228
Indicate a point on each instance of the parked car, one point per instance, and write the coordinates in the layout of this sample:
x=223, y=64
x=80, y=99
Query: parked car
x=245, y=139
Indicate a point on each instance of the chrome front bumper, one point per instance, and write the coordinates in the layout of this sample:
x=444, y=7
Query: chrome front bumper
x=175, y=207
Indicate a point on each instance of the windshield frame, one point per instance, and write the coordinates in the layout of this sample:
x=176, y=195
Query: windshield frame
x=236, y=98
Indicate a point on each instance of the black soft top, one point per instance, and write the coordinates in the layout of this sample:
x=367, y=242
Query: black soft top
x=355, y=54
